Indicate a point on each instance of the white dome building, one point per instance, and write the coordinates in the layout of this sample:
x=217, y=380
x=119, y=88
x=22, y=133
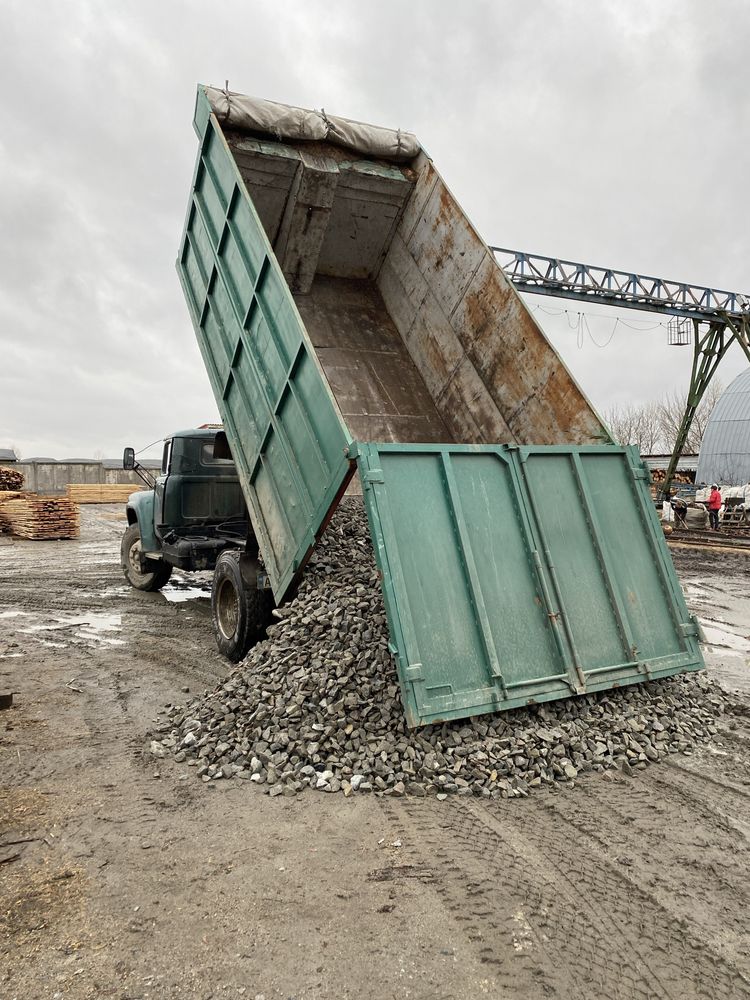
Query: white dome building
x=725, y=450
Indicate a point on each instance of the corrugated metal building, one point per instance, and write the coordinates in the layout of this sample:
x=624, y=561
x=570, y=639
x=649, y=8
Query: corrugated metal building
x=725, y=450
x=685, y=463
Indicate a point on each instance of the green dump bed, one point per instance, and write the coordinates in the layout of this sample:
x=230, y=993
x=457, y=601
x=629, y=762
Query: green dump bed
x=358, y=333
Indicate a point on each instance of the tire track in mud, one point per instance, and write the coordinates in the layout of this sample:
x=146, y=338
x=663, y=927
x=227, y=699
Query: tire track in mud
x=712, y=799
x=490, y=917
x=656, y=838
x=540, y=909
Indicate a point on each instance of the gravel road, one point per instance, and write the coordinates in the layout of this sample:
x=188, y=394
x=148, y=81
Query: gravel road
x=123, y=876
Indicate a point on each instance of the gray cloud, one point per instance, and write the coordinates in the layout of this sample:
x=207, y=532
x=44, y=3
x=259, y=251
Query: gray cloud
x=608, y=132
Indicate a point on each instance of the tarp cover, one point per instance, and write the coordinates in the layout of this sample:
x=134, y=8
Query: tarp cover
x=252, y=114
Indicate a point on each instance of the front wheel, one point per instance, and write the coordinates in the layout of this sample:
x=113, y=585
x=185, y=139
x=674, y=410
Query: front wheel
x=157, y=572
x=240, y=612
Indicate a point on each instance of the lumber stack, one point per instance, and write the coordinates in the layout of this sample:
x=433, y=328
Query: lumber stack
x=10, y=479
x=38, y=517
x=100, y=492
x=9, y=495
x=659, y=475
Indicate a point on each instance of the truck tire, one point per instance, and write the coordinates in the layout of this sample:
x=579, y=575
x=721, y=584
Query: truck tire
x=130, y=550
x=239, y=611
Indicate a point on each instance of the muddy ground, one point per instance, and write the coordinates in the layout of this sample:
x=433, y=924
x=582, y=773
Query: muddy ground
x=124, y=876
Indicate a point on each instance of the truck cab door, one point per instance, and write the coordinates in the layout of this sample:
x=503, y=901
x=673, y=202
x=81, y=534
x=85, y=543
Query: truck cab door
x=161, y=485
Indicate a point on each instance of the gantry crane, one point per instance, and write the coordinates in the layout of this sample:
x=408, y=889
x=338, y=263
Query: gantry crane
x=718, y=318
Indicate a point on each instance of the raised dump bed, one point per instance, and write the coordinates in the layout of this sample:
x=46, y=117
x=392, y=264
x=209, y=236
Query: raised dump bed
x=350, y=317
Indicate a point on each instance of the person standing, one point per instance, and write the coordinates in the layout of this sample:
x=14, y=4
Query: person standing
x=714, y=506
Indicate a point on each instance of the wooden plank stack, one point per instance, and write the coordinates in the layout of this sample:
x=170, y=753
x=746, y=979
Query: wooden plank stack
x=36, y=517
x=100, y=492
x=659, y=475
x=10, y=479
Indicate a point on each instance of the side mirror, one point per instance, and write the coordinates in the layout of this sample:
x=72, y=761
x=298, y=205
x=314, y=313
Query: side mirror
x=128, y=459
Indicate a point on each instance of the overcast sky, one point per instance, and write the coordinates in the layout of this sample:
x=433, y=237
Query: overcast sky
x=609, y=132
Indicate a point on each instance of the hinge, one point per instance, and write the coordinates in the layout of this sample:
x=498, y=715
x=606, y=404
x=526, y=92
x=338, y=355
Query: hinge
x=414, y=672
x=693, y=628
x=373, y=476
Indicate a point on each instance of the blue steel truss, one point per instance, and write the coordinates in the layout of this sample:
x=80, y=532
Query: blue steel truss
x=585, y=282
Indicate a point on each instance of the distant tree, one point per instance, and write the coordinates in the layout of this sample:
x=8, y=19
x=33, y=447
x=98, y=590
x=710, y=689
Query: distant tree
x=98, y=455
x=672, y=410
x=637, y=423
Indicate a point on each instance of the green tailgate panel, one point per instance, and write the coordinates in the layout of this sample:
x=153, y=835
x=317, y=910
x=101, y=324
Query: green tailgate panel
x=519, y=575
x=285, y=432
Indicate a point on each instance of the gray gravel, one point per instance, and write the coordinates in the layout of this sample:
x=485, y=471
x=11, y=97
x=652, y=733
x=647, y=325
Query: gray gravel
x=317, y=705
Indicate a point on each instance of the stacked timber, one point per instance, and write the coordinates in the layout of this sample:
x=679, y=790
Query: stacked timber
x=36, y=517
x=659, y=475
x=100, y=492
x=9, y=495
x=10, y=479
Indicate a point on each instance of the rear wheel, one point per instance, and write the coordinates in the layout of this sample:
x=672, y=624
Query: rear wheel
x=154, y=573
x=240, y=612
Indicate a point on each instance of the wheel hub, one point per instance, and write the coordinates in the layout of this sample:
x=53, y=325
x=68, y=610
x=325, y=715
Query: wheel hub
x=134, y=557
x=227, y=609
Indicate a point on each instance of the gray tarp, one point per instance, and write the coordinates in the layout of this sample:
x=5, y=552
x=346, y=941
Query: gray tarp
x=285, y=122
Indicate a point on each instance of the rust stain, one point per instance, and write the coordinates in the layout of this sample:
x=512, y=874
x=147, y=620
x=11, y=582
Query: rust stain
x=521, y=370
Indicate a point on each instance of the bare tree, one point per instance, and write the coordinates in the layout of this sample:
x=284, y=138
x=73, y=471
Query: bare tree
x=638, y=424
x=672, y=410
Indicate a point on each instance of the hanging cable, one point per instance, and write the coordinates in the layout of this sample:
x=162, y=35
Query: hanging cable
x=637, y=325
x=158, y=441
x=593, y=339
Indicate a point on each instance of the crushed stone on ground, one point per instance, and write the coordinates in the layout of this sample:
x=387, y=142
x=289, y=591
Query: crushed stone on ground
x=317, y=705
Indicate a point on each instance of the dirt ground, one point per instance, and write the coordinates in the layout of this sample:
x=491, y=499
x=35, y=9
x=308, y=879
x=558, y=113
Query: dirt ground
x=124, y=876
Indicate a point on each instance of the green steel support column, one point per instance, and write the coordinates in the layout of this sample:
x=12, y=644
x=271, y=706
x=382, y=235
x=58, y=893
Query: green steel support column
x=708, y=350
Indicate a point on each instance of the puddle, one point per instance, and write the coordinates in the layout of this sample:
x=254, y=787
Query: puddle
x=91, y=627
x=178, y=591
x=14, y=614
x=724, y=637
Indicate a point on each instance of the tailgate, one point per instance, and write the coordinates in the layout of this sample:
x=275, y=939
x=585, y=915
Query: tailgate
x=513, y=575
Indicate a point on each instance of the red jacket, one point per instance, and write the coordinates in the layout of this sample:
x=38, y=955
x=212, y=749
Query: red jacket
x=714, y=501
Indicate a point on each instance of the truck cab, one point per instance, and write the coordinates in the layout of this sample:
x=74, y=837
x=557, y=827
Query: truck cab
x=196, y=507
x=193, y=516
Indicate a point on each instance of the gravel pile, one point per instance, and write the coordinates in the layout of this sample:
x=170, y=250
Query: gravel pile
x=317, y=705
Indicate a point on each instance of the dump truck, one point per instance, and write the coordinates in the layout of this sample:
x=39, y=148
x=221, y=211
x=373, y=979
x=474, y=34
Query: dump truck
x=359, y=335
x=193, y=514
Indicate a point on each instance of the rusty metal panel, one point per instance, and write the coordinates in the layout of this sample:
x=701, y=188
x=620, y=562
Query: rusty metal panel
x=377, y=386
x=519, y=575
x=306, y=219
x=464, y=323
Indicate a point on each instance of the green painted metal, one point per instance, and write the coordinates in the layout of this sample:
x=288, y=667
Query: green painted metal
x=515, y=575
x=287, y=437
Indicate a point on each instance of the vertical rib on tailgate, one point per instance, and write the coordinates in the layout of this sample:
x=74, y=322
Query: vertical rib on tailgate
x=286, y=435
x=514, y=575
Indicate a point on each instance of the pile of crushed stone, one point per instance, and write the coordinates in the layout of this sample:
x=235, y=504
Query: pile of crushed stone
x=317, y=705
